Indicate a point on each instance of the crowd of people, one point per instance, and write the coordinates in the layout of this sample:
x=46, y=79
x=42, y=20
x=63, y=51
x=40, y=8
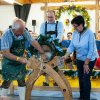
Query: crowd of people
x=82, y=41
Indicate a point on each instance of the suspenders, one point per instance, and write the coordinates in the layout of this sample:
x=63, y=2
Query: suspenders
x=55, y=28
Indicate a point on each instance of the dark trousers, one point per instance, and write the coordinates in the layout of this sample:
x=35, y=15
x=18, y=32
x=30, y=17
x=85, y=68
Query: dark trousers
x=84, y=79
x=6, y=84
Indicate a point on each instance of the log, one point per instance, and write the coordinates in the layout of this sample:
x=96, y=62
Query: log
x=38, y=69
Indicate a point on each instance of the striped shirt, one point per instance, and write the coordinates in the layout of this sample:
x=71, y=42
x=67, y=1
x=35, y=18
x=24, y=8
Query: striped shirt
x=7, y=39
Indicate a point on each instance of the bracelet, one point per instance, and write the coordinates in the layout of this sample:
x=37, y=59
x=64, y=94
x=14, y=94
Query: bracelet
x=17, y=58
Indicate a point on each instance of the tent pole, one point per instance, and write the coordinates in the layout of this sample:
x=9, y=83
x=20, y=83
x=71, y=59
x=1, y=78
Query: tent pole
x=97, y=17
x=46, y=8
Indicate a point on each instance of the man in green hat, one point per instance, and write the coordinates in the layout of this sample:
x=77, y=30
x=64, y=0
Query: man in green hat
x=13, y=63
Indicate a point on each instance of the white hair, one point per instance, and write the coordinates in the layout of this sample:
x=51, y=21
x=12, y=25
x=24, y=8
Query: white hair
x=16, y=25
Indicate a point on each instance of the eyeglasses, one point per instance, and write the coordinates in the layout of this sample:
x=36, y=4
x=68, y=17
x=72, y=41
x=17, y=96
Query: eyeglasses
x=75, y=26
x=50, y=17
x=68, y=35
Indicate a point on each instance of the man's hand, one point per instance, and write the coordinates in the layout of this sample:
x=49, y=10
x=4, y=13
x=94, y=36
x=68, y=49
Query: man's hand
x=22, y=60
x=36, y=45
x=86, y=69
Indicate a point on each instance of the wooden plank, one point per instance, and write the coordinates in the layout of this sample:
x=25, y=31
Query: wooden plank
x=11, y=88
x=45, y=12
x=56, y=88
x=97, y=17
x=20, y=1
x=38, y=1
x=66, y=81
x=56, y=77
x=82, y=0
x=30, y=83
x=48, y=1
x=2, y=2
x=38, y=68
x=88, y=7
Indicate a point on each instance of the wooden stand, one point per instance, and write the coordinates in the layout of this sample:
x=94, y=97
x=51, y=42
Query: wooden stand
x=39, y=68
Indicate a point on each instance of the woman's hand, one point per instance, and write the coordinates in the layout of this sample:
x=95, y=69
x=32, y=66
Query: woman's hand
x=86, y=69
x=66, y=56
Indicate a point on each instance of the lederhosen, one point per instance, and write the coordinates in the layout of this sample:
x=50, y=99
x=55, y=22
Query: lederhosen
x=51, y=32
x=14, y=70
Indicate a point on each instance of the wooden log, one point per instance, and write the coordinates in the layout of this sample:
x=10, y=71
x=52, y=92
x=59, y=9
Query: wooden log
x=45, y=12
x=53, y=62
x=60, y=72
x=83, y=0
x=46, y=67
x=37, y=1
x=30, y=82
x=11, y=89
x=34, y=64
x=97, y=17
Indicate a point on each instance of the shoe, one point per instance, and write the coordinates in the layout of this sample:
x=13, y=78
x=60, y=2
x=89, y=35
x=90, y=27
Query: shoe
x=55, y=84
x=45, y=84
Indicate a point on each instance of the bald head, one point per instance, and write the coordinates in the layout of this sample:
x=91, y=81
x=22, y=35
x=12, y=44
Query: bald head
x=18, y=23
x=18, y=26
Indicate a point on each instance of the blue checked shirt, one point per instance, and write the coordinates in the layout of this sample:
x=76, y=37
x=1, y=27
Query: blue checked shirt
x=6, y=40
x=51, y=27
x=84, y=45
